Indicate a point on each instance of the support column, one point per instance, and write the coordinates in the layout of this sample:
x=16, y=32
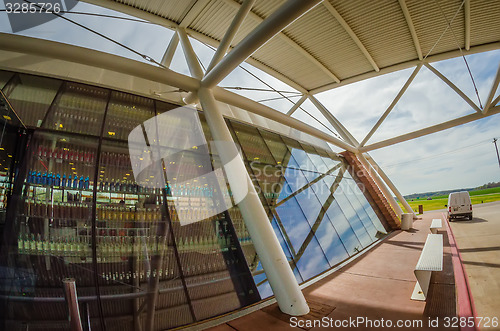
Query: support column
x=281, y=278
x=170, y=51
x=238, y=19
x=375, y=175
x=391, y=185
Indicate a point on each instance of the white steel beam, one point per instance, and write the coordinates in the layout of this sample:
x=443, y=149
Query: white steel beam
x=292, y=43
x=494, y=87
x=192, y=60
x=132, y=11
x=170, y=51
x=277, y=21
x=78, y=56
x=333, y=121
x=411, y=27
x=351, y=33
x=274, y=262
x=429, y=130
x=377, y=170
x=225, y=43
x=406, y=65
x=281, y=278
x=392, y=105
x=93, y=58
x=385, y=191
x=297, y=105
x=391, y=185
x=467, y=24
x=191, y=15
x=272, y=114
x=454, y=87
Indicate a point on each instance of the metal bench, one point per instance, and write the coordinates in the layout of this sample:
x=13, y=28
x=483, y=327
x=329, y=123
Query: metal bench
x=431, y=259
x=436, y=225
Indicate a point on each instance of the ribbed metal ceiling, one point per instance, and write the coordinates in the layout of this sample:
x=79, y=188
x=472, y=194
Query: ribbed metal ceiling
x=364, y=37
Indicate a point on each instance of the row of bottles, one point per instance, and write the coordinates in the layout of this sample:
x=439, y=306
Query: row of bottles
x=70, y=154
x=112, y=213
x=49, y=179
x=57, y=210
x=127, y=214
x=40, y=245
x=118, y=246
x=126, y=186
x=81, y=122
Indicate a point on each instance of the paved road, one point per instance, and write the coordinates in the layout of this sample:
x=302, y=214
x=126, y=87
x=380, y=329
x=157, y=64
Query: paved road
x=479, y=244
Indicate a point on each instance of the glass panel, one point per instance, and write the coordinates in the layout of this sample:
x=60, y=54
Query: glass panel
x=330, y=242
x=134, y=246
x=78, y=108
x=315, y=158
x=299, y=155
x=295, y=179
x=286, y=249
x=254, y=147
x=368, y=208
x=344, y=229
x=310, y=259
x=294, y=222
x=360, y=210
x=125, y=112
x=277, y=147
x=353, y=218
x=50, y=221
x=12, y=145
x=31, y=97
x=330, y=159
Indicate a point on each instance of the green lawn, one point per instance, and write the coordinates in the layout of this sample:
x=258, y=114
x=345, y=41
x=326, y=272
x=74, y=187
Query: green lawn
x=477, y=192
x=438, y=203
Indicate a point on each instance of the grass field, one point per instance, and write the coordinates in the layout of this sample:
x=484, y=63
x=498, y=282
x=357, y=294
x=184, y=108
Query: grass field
x=477, y=197
x=477, y=192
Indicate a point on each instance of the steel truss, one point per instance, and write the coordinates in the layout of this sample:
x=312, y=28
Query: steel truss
x=203, y=86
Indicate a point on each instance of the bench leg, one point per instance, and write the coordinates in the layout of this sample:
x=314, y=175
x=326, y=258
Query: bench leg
x=422, y=286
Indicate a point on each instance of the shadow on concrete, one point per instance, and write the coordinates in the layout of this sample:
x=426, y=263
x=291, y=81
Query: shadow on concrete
x=466, y=220
x=482, y=264
x=407, y=244
x=480, y=249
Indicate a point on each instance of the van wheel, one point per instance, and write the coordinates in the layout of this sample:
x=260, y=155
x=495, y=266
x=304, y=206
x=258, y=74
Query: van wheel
x=470, y=217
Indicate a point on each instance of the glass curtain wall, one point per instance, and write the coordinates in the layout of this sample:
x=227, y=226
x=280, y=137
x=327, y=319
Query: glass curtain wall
x=150, y=249
x=81, y=213
x=317, y=210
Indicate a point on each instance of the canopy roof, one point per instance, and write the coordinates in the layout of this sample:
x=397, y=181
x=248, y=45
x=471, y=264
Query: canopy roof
x=338, y=41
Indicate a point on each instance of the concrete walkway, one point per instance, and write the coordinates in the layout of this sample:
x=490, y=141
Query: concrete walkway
x=479, y=244
x=376, y=287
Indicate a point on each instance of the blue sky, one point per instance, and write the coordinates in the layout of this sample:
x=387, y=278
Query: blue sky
x=456, y=158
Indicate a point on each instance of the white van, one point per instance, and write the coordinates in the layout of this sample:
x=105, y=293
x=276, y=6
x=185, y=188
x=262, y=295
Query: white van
x=459, y=205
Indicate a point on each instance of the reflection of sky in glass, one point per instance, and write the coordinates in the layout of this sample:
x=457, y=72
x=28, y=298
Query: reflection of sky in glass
x=309, y=204
x=293, y=220
x=330, y=241
x=313, y=261
x=361, y=213
x=343, y=228
x=343, y=221
x=302, y=160
x=295, y=179
x=353, y=218
x=310, y=175
x=265, y=290
x=318, y=162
